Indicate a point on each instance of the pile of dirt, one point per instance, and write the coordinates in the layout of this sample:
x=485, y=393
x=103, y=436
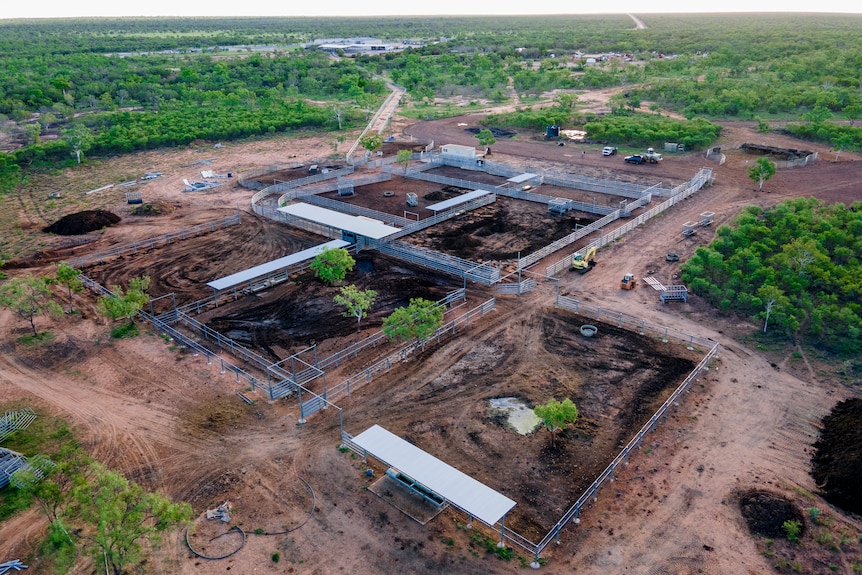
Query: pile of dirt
x=497, y=132
x=157, y=208
x=82, y=223
x=765, y=513
x=836, y=465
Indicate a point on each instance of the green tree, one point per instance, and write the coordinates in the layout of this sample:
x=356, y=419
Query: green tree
x=761, y=171
x=486, y=138
x=119, y=515
x=332, y=264
x=70, y=277
x=79, y=138
x=416, y=321
x=28, y=297
x=124, y=305
x=818, y=115
x=556, y=414
x=371, y=142
x=770, y=296
x=403, y=158
x=841, y=143
x=357, y=302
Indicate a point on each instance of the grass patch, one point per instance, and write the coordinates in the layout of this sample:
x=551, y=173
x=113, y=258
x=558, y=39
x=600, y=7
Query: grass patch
x=125, y=330
x=40, y=338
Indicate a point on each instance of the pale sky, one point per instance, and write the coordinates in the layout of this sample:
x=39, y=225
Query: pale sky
x=108, y=8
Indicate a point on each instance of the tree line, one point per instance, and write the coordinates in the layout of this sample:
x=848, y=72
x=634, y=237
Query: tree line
x=795, y=267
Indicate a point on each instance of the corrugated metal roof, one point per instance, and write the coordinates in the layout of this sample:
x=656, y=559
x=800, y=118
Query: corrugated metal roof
x=521, y=178
x=459, y=488
x=367, y=227
x=274, y=265
x=462, y=199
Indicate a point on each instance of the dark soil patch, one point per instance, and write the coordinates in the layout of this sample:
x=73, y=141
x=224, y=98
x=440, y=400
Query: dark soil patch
x=498, y=132
x=294, y=172
x=836, y=465
x=301, y=313
x=765, y=513
x=617, y=380
x=219, y=415
x=82, y=223
x=500, y=231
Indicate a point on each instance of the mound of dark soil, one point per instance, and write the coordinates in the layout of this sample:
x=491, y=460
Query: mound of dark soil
x=497, y=132
x=82, y=223
x=765, y=513
x=153, y=209
x=836, y=465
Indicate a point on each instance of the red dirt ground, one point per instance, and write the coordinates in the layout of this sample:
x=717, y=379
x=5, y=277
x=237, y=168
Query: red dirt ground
x=170, y=421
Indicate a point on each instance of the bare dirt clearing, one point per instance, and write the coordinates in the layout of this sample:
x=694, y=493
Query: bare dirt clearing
x=171, y=421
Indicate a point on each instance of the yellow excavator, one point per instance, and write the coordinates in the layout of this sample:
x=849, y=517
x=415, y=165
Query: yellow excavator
x=584, y=262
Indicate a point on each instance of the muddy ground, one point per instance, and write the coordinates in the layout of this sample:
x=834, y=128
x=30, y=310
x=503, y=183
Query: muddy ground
x=185, y=267
x=500, y=231
x=617, y=379
x=301, y=313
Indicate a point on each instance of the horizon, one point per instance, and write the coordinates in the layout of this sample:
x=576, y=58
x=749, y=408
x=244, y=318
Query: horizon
x=54, y=9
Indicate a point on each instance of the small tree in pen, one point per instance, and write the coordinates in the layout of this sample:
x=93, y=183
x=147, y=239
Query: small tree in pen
x=416, y=321
x=403, y=157
x=357, y=302
x=332, y=264
x=556, y=414
x=124, y=305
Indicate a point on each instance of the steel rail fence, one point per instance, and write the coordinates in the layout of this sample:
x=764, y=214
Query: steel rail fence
x=154, y=242
x=350, y=384
x=538, y=255
x=683, y=191
x=185, y=341
x=372, y=340
x=352, y=209
x=466, y=269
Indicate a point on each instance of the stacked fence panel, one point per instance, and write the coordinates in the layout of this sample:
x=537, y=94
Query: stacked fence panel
x=14, y=421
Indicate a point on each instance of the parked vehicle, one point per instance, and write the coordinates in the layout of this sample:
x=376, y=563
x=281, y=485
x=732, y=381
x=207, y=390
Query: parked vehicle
x=609, y=150
x=636, y=159
x=672, y=257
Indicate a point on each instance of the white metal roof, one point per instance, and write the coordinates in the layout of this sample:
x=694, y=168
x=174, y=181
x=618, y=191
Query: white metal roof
x=367, y=227
x=274, y=265
x=462, y=199
x=521, y=178
x=456, y=487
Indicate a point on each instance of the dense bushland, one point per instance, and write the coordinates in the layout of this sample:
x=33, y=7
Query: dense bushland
x=796, y=265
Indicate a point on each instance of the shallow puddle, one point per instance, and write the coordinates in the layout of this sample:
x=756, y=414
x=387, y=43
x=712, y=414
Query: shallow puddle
x=519, y=417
